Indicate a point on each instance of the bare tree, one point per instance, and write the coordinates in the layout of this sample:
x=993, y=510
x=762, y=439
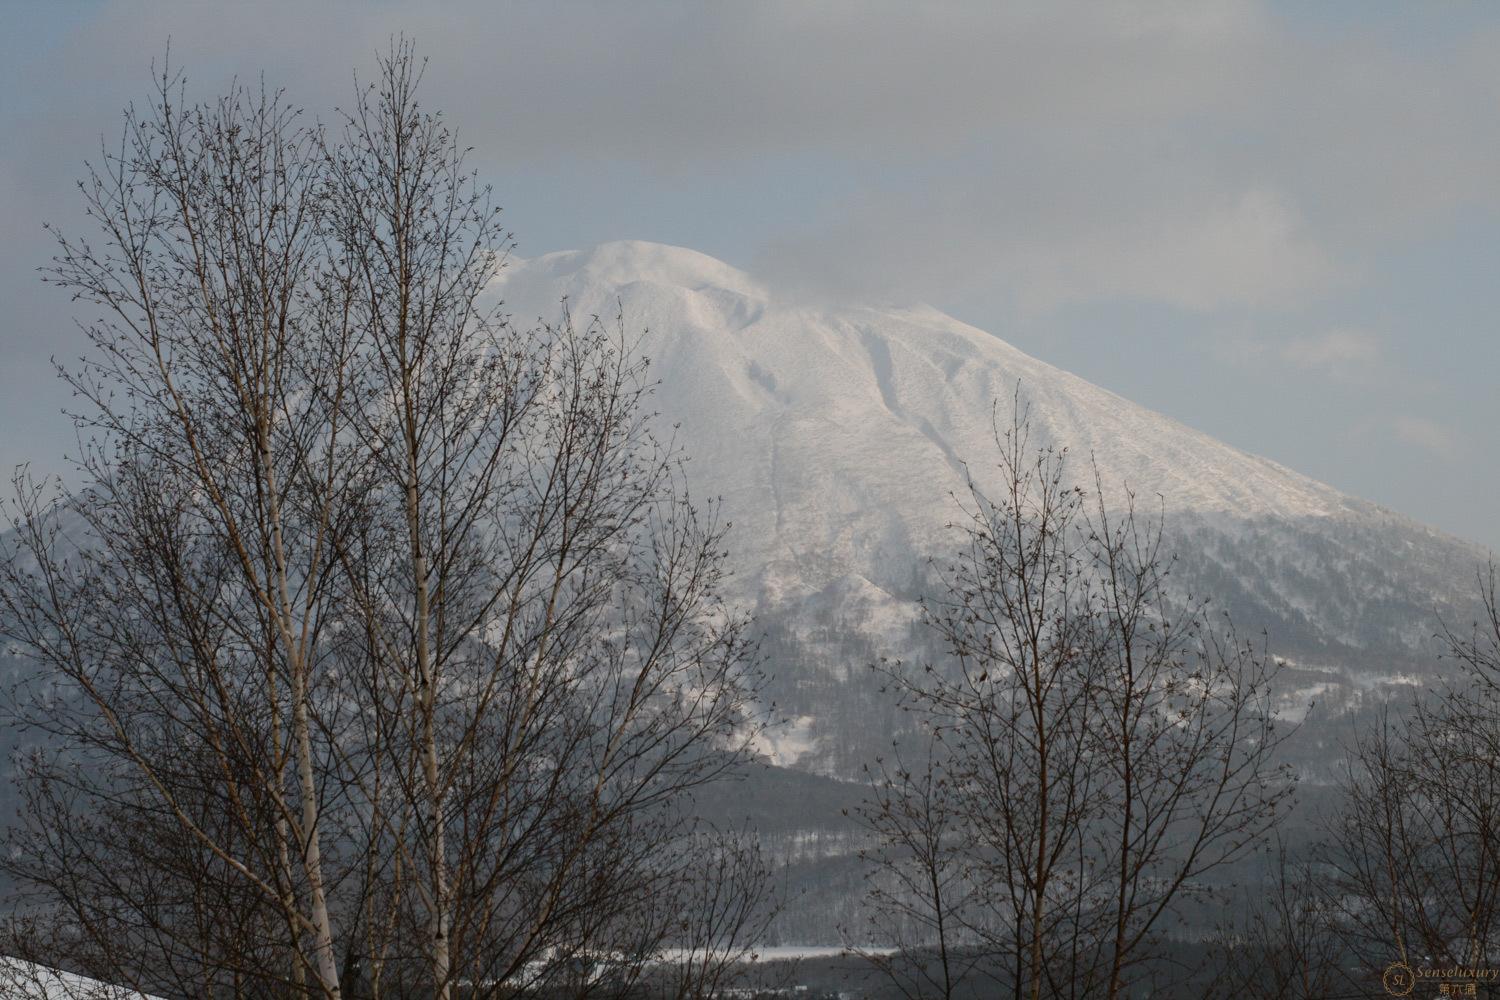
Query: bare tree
x=1102, y=744
x=1289, y=942
x=384, y=642
x=1186, y=736
x=1416, y=844
x=719, y=900
x=917, y=876
x=177, y=603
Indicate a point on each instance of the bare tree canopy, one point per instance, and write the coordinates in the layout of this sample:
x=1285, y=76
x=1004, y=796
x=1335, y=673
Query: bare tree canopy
x=384, y=642
x=1414, y=850
x=1404, y=879
x=1096, y=744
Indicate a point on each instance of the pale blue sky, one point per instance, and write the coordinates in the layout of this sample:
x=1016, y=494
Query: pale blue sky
x=1277, y=223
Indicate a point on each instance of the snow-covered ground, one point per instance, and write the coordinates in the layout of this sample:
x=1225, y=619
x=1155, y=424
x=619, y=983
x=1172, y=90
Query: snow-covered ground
x=28, y=981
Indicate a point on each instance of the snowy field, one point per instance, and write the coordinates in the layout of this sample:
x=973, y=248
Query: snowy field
x=27, y=981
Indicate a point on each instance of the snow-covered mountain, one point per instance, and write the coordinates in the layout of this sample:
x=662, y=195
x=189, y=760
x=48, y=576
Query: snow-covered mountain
x=770, y=390
x=837, y=436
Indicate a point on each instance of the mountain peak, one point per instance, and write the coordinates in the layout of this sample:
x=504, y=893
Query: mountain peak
x=874, y=397
x=840, y=437
x=625, y=262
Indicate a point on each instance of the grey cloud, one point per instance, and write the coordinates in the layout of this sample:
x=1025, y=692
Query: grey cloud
x=1345, y=355
x=1335, y=350
x=1229, y=164
x=1428, y=434
x=1200, y=155
x=663, y=81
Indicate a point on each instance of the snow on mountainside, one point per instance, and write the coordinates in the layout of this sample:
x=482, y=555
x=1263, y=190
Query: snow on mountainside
x=864, y=393
x=837, y=437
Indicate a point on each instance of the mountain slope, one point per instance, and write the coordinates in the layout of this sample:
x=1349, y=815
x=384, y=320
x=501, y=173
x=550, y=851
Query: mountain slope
x=879, y=388
x=836, y=435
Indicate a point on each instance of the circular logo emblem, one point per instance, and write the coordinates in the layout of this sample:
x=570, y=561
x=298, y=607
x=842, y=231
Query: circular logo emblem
x=1398, y=979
